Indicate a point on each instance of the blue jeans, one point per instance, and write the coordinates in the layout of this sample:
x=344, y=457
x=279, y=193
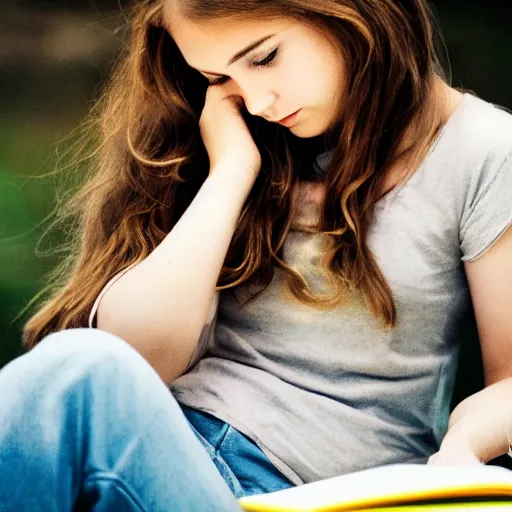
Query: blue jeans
x=87, y=424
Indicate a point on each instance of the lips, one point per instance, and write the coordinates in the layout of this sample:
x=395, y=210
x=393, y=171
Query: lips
x=290, y=120
x=287, y=117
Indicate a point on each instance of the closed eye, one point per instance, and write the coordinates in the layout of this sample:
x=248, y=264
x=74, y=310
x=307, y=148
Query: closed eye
x=267, y=60
x=259, y=64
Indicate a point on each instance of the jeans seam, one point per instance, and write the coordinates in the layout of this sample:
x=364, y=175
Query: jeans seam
x=117, y=482
x=217, y=459
x=223, y=438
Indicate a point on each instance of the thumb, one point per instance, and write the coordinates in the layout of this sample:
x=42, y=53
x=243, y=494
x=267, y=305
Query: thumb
x=454, y=456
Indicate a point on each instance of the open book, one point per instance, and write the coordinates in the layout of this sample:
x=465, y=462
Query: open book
x=396, y=488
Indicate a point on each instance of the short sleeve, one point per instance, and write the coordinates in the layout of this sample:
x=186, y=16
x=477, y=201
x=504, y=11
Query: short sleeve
x=94, y=310
x=488, y=215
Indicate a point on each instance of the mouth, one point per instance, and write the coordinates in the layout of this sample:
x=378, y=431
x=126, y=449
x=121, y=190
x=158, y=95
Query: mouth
x=290, y=120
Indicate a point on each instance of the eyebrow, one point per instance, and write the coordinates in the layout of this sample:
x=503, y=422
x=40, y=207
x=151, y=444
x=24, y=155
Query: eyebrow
x=241, y=53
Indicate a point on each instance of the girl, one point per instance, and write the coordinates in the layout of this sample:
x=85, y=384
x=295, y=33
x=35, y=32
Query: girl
x=293, y=216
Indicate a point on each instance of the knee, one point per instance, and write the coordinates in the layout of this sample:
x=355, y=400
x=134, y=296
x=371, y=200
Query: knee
x=86, y=350
x=99, y=366
x=83, y=368
x=87, y=343
x=85, y=340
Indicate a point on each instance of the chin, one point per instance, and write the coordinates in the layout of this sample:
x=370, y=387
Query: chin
x=305, y=130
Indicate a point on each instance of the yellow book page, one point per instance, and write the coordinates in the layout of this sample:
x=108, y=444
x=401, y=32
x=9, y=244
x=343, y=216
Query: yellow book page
x=386, y=486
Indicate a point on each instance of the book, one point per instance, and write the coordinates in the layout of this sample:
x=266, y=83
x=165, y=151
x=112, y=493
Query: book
x=396, y=488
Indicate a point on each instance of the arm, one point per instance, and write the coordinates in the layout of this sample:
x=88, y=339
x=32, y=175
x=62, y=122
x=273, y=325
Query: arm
x=480, y=427
x=160, y=306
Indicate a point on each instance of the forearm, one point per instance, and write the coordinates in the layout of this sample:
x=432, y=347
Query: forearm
x=160, y=305
x=484, y=420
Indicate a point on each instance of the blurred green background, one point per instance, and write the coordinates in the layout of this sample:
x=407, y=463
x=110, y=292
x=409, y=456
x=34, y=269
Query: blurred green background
x=54, y=56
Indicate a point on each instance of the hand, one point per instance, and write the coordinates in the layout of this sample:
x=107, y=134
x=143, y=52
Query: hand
x=479, y=428
x=225, y=134
x=455, y=451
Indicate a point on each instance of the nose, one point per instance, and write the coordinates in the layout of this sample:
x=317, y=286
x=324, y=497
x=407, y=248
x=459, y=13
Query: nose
x=260, y=105
x=258, y=101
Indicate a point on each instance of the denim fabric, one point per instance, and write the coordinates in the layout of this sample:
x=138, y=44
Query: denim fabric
x=242, y=464
x=87, y=424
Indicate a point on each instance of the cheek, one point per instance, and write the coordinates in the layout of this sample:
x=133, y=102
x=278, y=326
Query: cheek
x=320, y=76
x=291, y=79
x=311, y=77
x=300, y=81
x=328, y=83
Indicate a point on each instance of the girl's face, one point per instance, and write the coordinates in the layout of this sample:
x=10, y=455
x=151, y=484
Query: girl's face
x=278, y=66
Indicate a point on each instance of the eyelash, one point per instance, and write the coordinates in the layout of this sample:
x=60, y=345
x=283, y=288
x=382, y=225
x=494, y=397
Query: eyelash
x=259, y=64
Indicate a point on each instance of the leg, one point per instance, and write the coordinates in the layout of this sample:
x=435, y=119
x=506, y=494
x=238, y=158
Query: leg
x=86, y=423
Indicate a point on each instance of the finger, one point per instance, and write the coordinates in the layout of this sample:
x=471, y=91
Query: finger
x=455, y=459
x=432, y=459
x=237, y=100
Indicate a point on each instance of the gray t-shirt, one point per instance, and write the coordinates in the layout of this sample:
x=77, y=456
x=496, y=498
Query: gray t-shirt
x=329, y=392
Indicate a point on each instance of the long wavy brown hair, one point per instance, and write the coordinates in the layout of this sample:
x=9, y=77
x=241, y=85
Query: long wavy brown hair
x=148, y=160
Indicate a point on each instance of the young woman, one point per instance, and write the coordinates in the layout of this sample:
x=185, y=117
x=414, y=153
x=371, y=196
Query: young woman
x=292, y=217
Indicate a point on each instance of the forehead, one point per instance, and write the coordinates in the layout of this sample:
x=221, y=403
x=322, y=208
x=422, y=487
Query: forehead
x=210, y=42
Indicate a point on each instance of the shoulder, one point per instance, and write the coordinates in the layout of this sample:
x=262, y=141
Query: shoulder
x=471, y=148
x=484, y=129
x=485, y=150
x=475, y=146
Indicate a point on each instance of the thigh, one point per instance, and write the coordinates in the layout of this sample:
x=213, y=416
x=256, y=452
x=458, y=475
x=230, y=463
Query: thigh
x=242, y=464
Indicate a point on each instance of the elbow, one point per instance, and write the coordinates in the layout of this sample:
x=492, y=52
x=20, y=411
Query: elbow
x=169, y=353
